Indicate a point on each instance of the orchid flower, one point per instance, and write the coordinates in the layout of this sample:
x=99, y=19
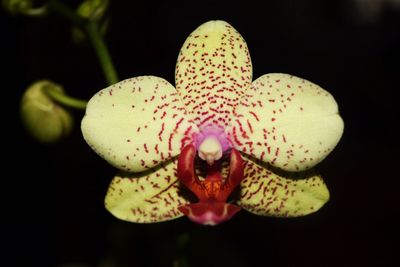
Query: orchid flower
x=217, y=136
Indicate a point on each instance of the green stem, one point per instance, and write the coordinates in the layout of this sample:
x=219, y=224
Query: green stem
x=93, y=32
x=102, y=52
x=36, y=12
x=65, y=100
x=66, y=12
x=182, y=242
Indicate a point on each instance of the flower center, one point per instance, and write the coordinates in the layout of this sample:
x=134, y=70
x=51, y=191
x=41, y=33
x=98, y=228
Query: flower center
x=211, y=143
x=210, y=150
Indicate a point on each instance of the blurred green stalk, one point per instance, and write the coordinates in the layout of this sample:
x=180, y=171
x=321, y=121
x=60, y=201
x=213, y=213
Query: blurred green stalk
x=92, y=30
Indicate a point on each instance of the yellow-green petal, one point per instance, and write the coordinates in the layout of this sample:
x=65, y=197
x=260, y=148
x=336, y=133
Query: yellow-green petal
x=152, y=196
x=213, y=71
x=267, y=193
x=137, y=123
x=287, y=122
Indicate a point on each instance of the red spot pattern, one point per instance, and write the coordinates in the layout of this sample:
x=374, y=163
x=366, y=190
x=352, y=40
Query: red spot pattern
x=265, y=104
x=160, y=199
x=148, y=142
x=203, y=73
x=266, y=193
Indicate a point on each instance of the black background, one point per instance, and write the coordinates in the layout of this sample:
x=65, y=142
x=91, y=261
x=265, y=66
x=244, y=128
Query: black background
x=52, y=209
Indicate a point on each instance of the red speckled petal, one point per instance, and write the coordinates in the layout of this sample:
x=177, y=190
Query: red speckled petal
x=212, y=72
x=138, y=123
x=152, y=196
x=287, y=122
x=267, y=193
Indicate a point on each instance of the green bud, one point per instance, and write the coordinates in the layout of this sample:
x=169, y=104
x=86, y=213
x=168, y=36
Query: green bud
x=93, y=10
x=17, y=6
x=44, y=119
x=25, y=7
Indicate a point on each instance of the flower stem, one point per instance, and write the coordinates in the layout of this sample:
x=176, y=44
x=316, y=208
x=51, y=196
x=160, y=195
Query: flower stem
x=92, y=29
x=182, y=242
x=36, y=12
x=61, y=9
x=66, y=100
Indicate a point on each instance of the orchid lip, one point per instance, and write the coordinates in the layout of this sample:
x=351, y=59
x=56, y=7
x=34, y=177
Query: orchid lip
x=213, y=191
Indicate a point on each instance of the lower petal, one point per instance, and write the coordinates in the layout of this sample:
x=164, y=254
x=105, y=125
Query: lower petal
x=267, y=193
x=152, y=196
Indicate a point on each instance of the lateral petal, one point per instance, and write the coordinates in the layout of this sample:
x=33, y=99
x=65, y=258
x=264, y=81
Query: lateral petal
x=137, y=123
x=287, y=122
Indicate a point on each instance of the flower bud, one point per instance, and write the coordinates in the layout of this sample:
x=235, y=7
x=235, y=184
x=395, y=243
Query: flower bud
x=24, y=7
x=45, y=120
x=93, y=10
x=17, y=6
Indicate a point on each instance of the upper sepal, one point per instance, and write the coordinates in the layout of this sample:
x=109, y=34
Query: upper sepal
x=213, y=71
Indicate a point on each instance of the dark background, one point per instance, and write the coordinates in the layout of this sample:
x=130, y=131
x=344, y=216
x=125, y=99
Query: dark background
x=52, y=211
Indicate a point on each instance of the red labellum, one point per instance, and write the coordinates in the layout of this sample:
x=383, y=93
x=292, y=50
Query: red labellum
x=213, y=191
